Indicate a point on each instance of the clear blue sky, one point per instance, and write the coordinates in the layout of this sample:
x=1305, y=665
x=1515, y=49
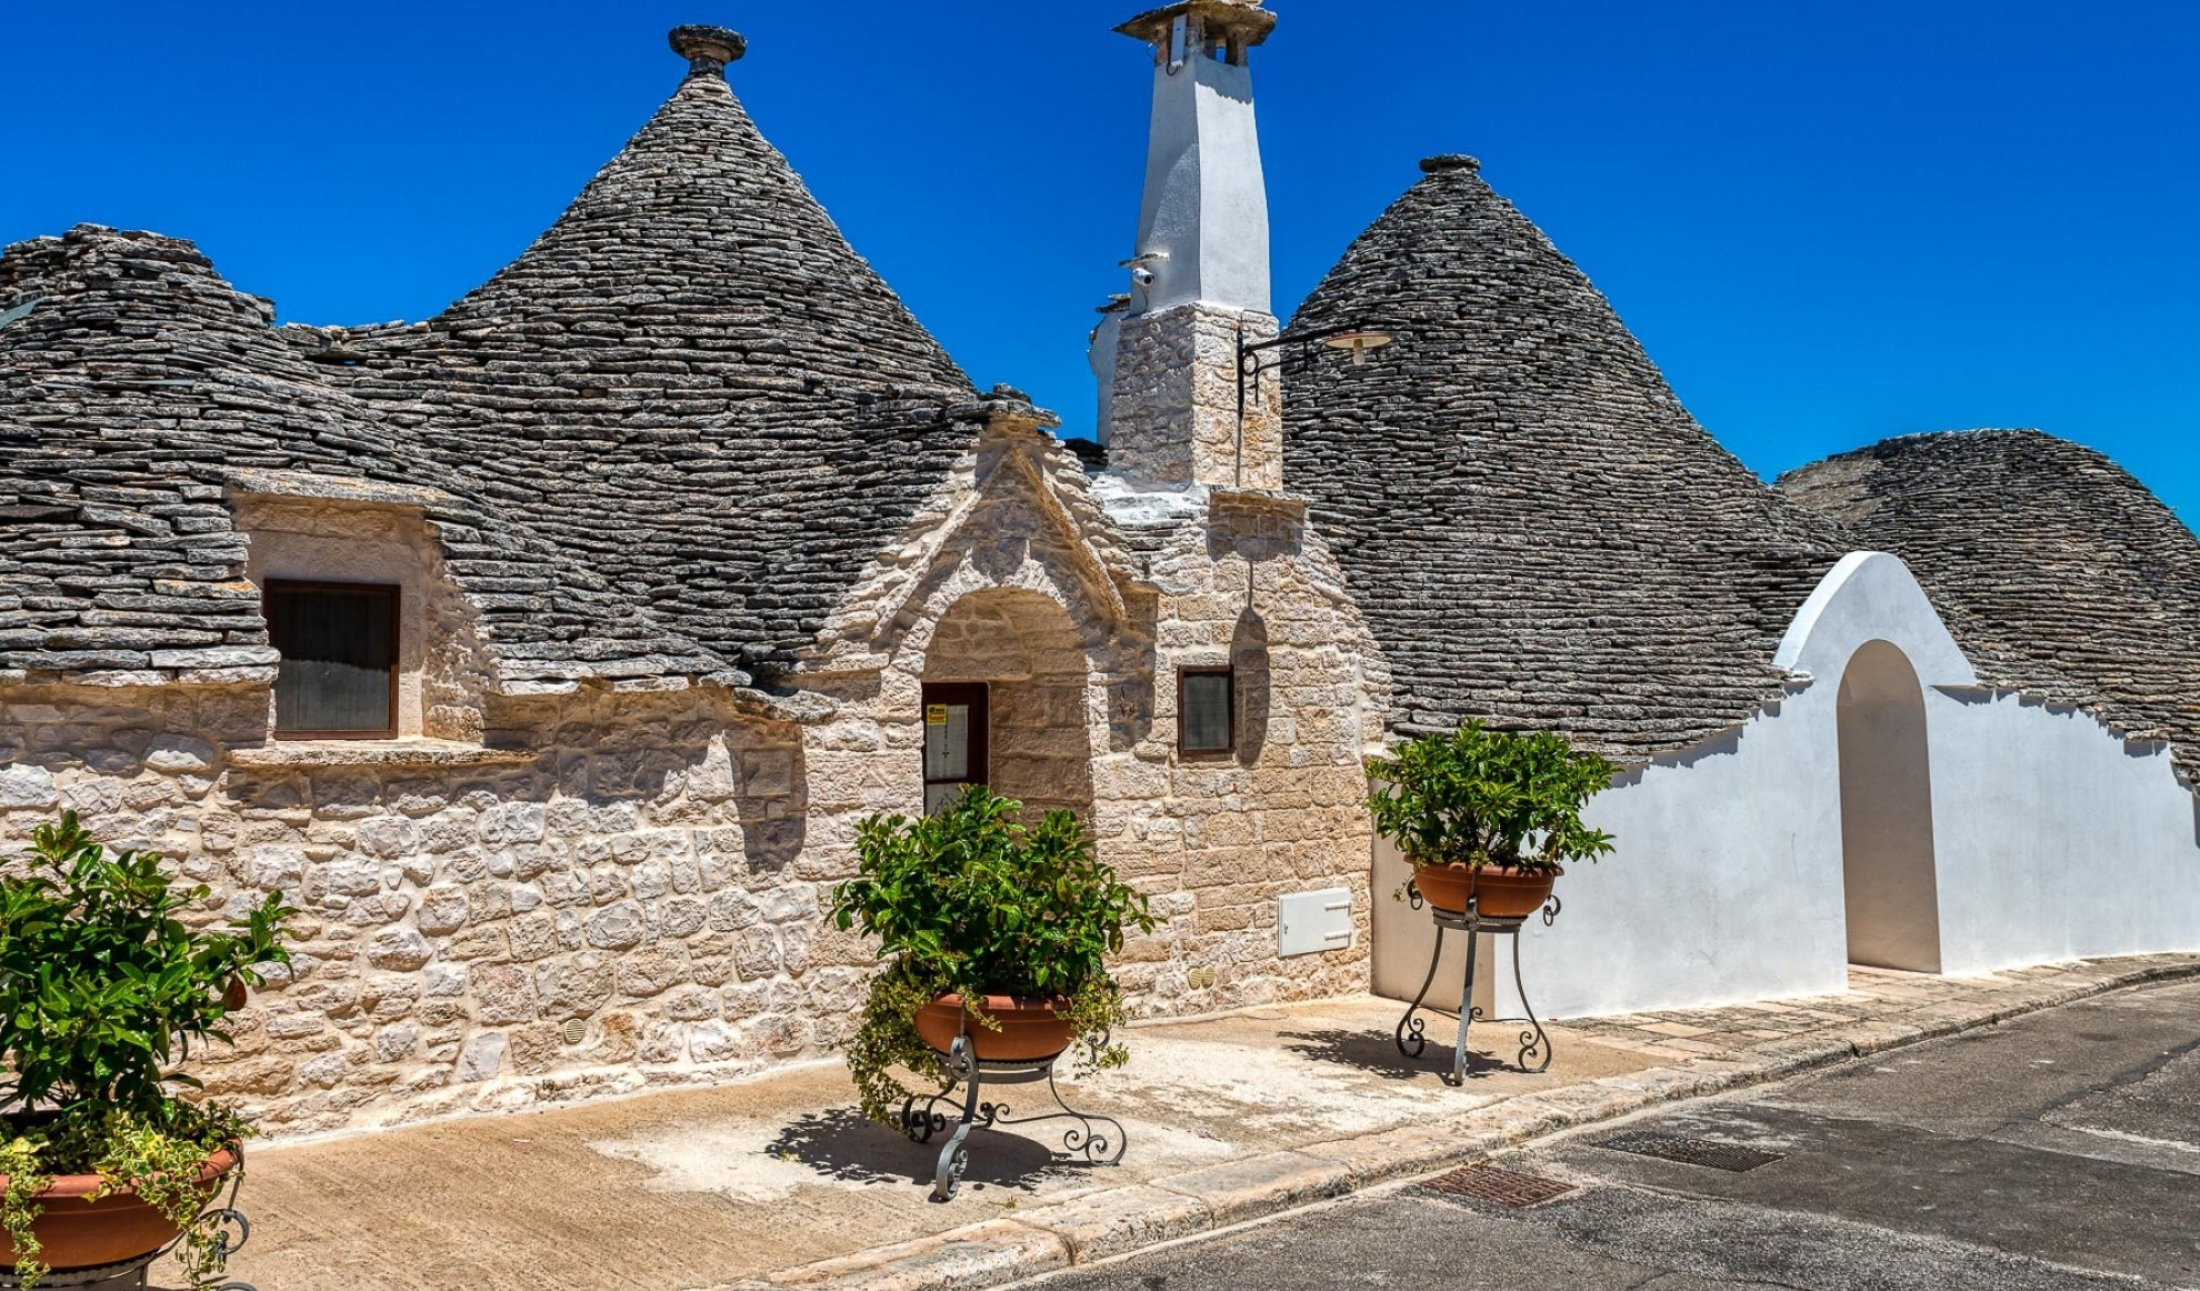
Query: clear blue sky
x=1829, y=223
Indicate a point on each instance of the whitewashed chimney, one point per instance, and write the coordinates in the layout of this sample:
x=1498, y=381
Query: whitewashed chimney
x=1199, y=273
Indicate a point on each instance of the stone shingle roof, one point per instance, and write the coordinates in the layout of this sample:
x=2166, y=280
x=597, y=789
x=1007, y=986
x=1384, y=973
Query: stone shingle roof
x=137, y=389
x=691, y=383
x=2058, y=573
x=665, y=440
x=1535, y=528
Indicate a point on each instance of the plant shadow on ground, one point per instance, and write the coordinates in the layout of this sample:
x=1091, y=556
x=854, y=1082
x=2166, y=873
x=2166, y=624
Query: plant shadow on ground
x=844, y=1147
x=1377, y=1052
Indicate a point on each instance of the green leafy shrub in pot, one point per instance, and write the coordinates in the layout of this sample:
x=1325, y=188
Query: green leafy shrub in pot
x=972, y=902
x=103, y=992
x=1480, y=797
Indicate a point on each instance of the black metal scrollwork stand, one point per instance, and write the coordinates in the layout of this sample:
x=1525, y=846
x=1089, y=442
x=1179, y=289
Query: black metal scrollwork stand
x=1098, y=1139
x=229, y=1228
x=1411, y=1033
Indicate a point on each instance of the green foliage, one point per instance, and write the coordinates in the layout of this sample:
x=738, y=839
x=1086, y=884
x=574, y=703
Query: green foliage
x=1481, y=797
x=973, y=902
x=20, y=1207
x=102, y=990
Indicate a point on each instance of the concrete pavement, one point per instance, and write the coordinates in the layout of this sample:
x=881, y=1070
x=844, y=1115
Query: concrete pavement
x=777, y=1183
x=2060, y=1150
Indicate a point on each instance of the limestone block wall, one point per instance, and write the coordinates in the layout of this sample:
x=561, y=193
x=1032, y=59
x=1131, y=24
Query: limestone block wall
x=1223, y=836
x=1232, y=577
x=1175, y=405
x=632, y=865
x=623, y=886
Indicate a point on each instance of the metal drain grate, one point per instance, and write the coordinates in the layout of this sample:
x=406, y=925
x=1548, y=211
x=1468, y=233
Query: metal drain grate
x=1687, y=1151
x=1505, y=1187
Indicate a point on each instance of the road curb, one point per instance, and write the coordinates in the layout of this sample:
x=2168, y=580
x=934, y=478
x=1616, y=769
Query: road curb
x=1119, y=1221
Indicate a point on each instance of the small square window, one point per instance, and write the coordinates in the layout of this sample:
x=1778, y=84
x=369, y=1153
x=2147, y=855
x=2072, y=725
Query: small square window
x=338, y=642
x=1206, y=710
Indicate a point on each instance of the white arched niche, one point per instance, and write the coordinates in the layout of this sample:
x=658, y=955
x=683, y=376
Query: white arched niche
x=1869, y=629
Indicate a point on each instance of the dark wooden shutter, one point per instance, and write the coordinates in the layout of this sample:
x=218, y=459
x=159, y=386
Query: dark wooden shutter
x=338, y=675
x=1206, y=720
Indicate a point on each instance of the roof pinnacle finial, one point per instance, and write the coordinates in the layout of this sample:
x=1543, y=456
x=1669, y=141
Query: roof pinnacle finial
x=708, y=49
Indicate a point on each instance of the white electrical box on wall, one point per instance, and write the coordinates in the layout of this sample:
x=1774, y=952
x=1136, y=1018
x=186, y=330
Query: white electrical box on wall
x=1308, y=923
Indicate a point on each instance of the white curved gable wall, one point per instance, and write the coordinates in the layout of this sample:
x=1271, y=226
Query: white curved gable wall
x=2054, y=838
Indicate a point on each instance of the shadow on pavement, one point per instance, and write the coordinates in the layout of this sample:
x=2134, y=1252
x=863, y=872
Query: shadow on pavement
x=1377, y=1054
x=842, y=1146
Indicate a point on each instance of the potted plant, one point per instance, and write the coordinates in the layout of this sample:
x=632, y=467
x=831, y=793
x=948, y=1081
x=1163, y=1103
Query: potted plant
x=1488, y=816
x=103, y=988
x=989, y=929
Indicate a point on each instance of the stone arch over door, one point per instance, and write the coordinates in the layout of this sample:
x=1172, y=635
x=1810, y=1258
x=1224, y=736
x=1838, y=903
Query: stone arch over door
x=1889, y=877
x=1025, y=650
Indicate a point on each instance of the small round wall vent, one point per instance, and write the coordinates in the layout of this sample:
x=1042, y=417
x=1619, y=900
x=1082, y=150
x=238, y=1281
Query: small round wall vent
x=575, y=1030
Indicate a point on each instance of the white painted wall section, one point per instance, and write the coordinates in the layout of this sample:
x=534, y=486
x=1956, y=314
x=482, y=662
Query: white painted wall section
x=2056, y=838
x=1204, y=214
x=2052, y=838
x=1725, y=885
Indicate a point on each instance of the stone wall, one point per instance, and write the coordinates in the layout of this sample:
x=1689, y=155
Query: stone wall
x=623, y=886
x=1225, y=576
x=1225, y=835
x=1175, y=407
x=629, y=863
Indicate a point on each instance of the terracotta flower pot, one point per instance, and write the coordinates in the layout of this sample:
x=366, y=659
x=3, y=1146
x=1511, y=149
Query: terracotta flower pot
x=73, y=1234
x=1032, y=1029
x=1498, y=891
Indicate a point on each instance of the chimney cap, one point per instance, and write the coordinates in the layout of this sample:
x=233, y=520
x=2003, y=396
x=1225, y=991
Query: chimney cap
x=707, y=49
x=1448, y=161
x=1242, y=19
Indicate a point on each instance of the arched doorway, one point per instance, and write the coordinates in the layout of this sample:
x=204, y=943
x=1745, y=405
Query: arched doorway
x=1005, y=696
x=1891, y=892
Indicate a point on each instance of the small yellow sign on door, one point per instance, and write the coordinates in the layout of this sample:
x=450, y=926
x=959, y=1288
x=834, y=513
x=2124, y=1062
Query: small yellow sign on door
x=935, y=714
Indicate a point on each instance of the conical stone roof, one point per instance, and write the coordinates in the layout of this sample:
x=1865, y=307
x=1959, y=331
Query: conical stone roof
x=691, y=383
x=2059, y=574
x=666, y=440
x=137, y=390
x=1535, y=528
x=698, y=252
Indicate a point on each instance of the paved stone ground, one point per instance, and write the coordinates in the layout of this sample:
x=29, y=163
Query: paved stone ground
x=778, y=1183
x=2057, y=1152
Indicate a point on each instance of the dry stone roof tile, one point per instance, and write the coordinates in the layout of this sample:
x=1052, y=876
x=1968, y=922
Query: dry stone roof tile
x=665, y=440
x=692, y=384
x=1536, y=530
x=134, y=392
x=2058, y=573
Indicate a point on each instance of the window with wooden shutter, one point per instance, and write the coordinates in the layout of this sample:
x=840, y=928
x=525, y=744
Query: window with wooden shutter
x=1206, y=717
x=338, y=676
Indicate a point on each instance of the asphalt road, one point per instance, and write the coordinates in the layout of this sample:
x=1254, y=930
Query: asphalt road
x=2059, y=1150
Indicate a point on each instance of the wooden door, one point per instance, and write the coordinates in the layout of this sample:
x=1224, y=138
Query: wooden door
x=956, y=727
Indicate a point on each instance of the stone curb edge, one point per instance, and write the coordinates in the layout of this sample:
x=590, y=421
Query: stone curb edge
x=1118, y=1221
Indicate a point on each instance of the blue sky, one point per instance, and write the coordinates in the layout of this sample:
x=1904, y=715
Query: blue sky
x=1828, y=223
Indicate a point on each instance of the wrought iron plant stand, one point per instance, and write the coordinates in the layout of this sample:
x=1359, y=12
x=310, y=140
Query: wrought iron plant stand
x=230, y=1229
x=1411, y=1034
x=1098, y=1139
